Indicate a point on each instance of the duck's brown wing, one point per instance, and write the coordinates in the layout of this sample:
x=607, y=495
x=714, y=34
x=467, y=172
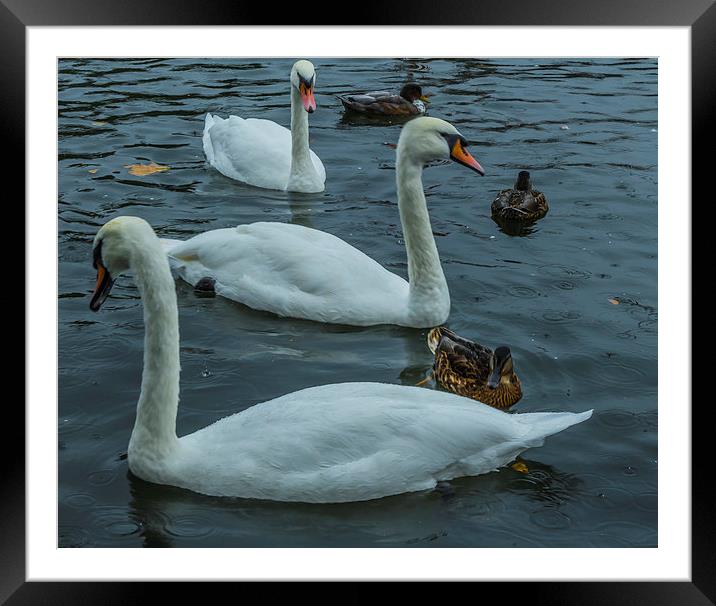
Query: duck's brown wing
x=379, y=102
x=475, y=348
x=539, y=204
x=468, y=362
x=516, y=205
x=507, y=198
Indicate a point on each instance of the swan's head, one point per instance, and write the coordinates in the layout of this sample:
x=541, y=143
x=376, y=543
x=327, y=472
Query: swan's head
x=501, y=368
x=303, y=79
x=112, y=251
x=428, y=139
x=523, y=181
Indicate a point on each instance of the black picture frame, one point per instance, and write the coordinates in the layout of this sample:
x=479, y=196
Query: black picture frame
x=699, y=15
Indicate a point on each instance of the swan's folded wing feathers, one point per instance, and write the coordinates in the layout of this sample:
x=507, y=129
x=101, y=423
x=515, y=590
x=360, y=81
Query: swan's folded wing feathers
x=336, y=424
x=252, y=150
x=358, y=441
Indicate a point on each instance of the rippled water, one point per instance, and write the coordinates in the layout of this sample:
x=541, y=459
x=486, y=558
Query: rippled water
x=585, y=128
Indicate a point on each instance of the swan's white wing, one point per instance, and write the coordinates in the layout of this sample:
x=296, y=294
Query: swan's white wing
x=254, y=151
x=294, y=271
x=358, y=441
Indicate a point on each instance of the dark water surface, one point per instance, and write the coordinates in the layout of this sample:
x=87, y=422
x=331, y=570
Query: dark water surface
x=585, y=128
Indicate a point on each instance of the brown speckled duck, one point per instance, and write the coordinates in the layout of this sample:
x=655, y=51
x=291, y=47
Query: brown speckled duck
x=410, y=102
x=472, y=370
x=520, y=204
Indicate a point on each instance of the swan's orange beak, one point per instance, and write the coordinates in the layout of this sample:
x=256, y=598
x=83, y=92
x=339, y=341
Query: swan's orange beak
x=459, y=154
x=309, y=101
x=104, y=281
x=102, y=287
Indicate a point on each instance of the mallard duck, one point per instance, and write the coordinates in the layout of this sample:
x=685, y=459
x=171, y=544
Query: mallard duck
x=325, y=444
x=411, y=101
x=472, y=370
x=520, y=204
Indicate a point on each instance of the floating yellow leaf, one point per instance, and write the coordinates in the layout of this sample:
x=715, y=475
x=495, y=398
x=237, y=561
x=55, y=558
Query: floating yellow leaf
x=613, y=301
x=145, y=169
x=92, y=170
x=98, y=123
x=521, y=467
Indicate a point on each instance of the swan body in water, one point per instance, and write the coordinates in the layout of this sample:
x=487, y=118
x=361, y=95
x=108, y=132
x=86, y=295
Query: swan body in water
x=265, y=154
x=300, y=272
x=326, y=444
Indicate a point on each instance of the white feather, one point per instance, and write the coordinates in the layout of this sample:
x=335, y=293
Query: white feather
x=295, y=271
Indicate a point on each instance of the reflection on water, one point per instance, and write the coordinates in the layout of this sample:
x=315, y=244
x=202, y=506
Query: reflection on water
x=515, y=228
x=166, y=516
x=573, y=296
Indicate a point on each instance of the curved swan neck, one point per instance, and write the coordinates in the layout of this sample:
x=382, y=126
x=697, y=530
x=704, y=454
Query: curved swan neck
x=301, y=162
x=155, y=427
x=428, y=288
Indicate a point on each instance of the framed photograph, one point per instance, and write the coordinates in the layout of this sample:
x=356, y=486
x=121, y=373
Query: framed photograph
x=427, y=280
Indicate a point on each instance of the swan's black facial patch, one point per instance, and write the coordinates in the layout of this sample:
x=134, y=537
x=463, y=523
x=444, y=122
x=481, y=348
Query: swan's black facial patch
x=97, y=255
x=457, y=144
x=307, y=82
x=305, y=88
x=104, y=279
x=452, y=138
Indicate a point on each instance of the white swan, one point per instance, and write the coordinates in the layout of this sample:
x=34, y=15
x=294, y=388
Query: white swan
x=334, y=443
x=299, y=272
x=265, y=154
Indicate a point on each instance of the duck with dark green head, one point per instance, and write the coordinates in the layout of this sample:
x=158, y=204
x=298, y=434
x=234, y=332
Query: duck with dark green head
x=409, y=102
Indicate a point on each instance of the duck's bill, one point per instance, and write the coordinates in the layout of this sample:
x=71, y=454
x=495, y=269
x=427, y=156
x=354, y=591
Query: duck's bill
x=102, y=287
x=309, y=101
x=425, y=98
x=459, y=154
x=494, y=379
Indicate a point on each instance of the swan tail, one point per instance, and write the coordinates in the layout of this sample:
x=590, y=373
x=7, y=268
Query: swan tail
x=544, y=424
x=168, y=244
x=208, y=147
x=176, y=261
